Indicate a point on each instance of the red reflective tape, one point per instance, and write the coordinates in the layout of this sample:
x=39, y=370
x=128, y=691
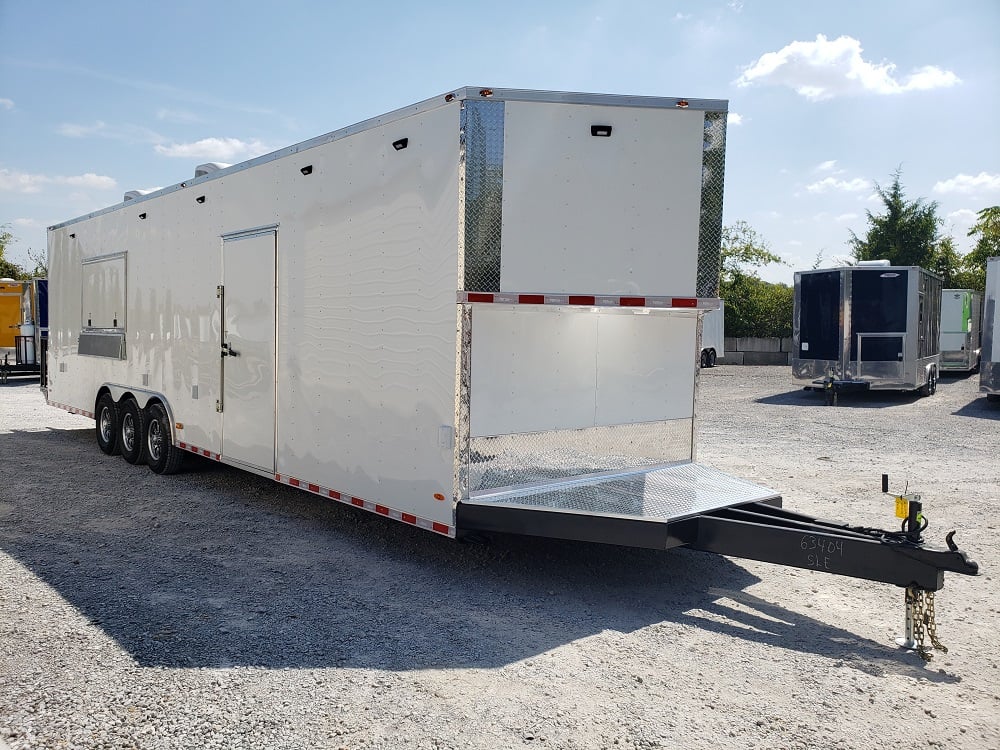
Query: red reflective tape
x=531, y=299
x=182, y=445
x=206, y=453
x=335, y=495
x=294, y=482
x=277, y=477
x=440, y=528
x=381, y=510
x=314, y=488
x=581, y=299
x=358, y=501
x=685, y=302
x=632, y=301
x=480, y=297
x=409, y=518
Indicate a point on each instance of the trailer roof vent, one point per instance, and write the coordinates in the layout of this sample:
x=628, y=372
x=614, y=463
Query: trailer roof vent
x=880, y=263
x=213, y=166
x=131, y=195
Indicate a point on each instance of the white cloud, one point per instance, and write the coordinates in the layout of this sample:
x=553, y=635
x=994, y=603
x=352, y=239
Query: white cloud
x=682, y=16
x=6, y=104
x=962, y=215
x=23, y=182
x=215, y=149
x=824, y=69
x=828, y=166
x=29, y=224
x=965, y=184
x=846, y=217
x=734, y=119
x=75, y=130
x=177, y=116
x=843, y=186
x=100, y=129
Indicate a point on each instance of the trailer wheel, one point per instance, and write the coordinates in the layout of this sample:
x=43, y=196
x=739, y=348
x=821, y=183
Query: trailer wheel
x=712, y=357
x=704, y=358
x=162, y=456
x=930, y=387
x=132, y=432
x=107, y=425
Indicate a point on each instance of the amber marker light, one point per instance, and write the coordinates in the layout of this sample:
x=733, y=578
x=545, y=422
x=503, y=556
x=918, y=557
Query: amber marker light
x=438, y=496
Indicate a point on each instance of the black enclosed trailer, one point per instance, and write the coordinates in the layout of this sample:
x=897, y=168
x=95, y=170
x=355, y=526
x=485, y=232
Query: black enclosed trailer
x=872, y=326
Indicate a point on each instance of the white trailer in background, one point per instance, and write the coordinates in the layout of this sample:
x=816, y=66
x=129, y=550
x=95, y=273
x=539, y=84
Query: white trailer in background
x=713, y=335
x=989, y=368
x=961, y=318
x=479, y=313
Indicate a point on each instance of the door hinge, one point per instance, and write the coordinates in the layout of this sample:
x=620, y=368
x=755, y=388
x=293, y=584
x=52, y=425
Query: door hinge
x=218, y=404
x=219, y=290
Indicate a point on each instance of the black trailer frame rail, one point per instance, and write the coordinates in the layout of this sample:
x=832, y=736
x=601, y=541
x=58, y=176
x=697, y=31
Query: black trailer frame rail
x=766, y=533
x=760, y=530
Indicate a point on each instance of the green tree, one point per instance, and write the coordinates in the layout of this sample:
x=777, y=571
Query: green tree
x=754, y=307
x=906, y=234
x=8, y=269
x=986, y=230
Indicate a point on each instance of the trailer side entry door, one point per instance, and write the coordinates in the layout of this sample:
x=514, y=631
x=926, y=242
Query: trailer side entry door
x=248, y=348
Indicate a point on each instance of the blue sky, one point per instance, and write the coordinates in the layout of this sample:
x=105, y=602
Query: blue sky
x=825, y=97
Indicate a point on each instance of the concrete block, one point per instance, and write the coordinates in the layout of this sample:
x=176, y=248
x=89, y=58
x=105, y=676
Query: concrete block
x=765, y=358
x=730, y=344
x=733, y=358
x=759, y=344
x=786, y=344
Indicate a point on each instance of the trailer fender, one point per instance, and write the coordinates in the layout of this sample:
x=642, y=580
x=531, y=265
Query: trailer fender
x=143, y=398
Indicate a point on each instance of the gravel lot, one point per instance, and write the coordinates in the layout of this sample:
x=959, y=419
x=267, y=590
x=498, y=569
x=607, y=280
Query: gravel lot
x=215, y=609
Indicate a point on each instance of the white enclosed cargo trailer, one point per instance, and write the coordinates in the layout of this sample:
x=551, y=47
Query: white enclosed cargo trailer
x=961, y=318
x=989, y=368
x=480, y=313
x=713, y=335
x=491, y=298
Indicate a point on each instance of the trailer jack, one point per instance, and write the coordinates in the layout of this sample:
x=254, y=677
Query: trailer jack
x=758, y=531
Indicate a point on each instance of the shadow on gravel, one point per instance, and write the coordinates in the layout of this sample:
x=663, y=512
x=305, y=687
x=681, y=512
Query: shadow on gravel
x=980, y=408
x=219, y=568
x=859, y=400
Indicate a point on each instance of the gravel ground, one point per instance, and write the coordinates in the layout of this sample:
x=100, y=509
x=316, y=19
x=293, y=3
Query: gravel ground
x=216, y=609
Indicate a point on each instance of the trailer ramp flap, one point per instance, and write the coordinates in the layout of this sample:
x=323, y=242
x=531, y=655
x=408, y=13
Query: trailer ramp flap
x=644, y=508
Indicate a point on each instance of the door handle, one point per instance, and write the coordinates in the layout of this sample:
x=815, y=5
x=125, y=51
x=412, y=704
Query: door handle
x=228, y=351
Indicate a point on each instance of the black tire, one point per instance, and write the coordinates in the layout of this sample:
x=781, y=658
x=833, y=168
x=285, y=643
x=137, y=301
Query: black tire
x=162, y=456
x=712, y=357
x=704, y=358
x=107, y=425
x=930, y=387
x=132, y=432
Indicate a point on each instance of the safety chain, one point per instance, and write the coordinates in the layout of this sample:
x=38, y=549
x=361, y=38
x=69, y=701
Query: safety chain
x=920, y=604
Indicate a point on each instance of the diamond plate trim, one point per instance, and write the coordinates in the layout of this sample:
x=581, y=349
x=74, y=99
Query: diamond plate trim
x=662, y=495
x=505, y=461
x=482, y=130
x=713, y=172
